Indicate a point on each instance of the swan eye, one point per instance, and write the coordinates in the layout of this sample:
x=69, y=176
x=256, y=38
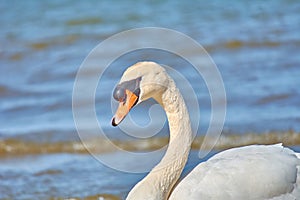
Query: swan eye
x=119, y=94
x=132, y=85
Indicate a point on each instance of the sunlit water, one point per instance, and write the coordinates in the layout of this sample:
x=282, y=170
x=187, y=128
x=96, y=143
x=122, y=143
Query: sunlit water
x=42, y=44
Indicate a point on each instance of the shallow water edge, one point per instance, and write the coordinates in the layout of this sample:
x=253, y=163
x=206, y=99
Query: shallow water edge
x=17, y=147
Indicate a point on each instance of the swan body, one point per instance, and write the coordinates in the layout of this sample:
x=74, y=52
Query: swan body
x=250, y=173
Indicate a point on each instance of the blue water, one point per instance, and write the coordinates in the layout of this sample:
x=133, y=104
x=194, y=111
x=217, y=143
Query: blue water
x=254, y=45
x=43, y=43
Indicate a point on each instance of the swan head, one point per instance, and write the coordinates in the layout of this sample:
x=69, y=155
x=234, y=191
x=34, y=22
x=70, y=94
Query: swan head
x=139, y=82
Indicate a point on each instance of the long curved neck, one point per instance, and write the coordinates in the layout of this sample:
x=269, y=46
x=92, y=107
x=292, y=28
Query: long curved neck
x=158, y=184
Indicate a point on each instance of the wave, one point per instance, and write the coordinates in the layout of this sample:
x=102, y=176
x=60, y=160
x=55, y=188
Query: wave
x=237, y=44
x=272, y=98
x=84, y=21
x=98, y=196
x=53, y=41
x=17, y=147
x=61, y=41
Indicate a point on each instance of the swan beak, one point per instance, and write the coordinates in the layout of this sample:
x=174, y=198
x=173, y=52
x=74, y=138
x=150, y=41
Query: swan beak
x=124, y=107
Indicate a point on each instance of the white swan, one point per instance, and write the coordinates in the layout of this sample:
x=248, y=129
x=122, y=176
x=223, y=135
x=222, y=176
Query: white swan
x=250, y=172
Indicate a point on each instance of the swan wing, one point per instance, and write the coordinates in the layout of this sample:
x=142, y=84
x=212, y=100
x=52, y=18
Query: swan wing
x=250, y=172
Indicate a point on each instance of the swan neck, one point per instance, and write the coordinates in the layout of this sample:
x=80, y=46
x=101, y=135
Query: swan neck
x=172, y=164
x=178, y=116
x=158, y=184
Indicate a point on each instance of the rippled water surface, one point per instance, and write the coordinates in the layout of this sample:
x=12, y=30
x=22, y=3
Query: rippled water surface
x=42, y=44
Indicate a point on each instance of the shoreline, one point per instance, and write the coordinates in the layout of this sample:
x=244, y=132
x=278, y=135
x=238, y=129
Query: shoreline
x=16, y=147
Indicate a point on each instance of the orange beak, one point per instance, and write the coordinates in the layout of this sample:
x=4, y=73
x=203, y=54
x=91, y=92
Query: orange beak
x=124, y=107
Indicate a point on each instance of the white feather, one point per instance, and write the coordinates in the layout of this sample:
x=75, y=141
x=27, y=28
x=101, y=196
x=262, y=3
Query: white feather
x=247, y=173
